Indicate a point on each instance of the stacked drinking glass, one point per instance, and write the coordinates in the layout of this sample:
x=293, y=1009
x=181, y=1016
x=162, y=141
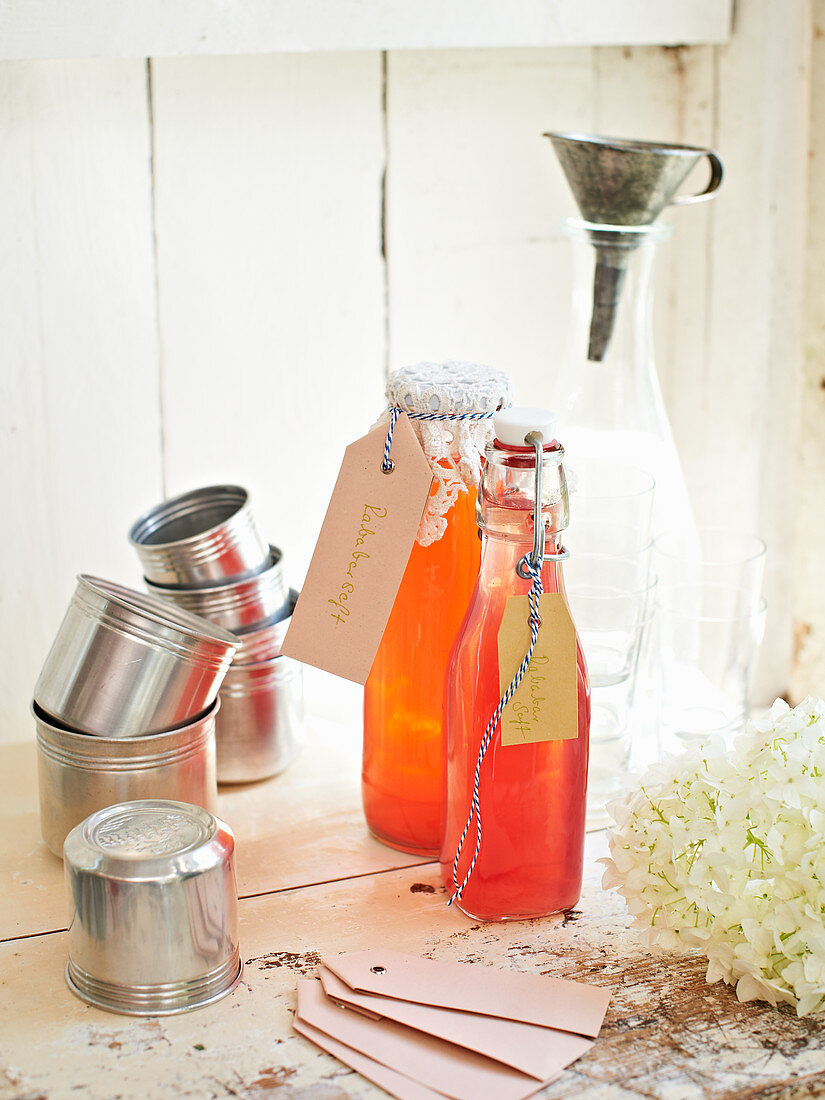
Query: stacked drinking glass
x=670, y=627
x=711, y=620
x=202, y=551
x=611, y=590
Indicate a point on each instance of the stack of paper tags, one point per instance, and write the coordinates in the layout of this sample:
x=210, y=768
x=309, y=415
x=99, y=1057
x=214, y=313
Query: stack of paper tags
x=422, y=1029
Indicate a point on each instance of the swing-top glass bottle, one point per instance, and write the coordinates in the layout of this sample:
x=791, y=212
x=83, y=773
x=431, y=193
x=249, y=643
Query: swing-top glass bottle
x=533, y=796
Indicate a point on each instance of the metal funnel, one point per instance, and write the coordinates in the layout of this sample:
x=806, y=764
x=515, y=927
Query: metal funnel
x=619, y=182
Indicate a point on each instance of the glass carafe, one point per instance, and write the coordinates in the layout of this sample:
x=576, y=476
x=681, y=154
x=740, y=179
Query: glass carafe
x=607, y=392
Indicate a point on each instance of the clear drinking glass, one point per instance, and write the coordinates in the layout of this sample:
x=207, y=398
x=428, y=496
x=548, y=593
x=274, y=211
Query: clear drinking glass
x=611, y=591
x=616, y=713
x=710, y=636
x=734, y=560
x=613, y=499
x=609, y=615
x=613, y=606
x=610, y=573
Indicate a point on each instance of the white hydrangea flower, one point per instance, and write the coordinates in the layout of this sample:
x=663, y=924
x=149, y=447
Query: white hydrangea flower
x=722, y=851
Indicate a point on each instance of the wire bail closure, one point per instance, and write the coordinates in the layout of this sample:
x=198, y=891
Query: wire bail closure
x=536, y=559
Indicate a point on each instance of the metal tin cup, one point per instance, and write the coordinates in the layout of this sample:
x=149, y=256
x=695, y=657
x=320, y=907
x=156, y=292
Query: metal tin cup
x=124, y=664
x=154, y=912
x=258, y=732
x=235, y=605
x=264, y=641
x=200, y=538
x=79, y=774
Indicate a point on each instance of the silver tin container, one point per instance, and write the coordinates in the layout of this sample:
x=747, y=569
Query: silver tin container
x=235, y=605
x=259, y=728
x=264, y=641
x=200, y=538
x=124, y=664
x=154, y=910
x=79, y=774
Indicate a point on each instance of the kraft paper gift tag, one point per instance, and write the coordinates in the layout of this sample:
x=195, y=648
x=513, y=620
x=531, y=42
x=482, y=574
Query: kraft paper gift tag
x=538, y=1051
x=393, y=1083
x=545, y=706
x=456, y=1073
x=361, y=554
x=529, y=998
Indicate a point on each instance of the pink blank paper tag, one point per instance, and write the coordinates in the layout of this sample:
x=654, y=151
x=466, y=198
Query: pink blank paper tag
x=538, y=1051
x=456, y=1073
x=529, y=998
x=393, y=1083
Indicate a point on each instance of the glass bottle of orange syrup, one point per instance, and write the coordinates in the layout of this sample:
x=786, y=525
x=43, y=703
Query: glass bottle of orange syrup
x=450, y=406
x=531, y=796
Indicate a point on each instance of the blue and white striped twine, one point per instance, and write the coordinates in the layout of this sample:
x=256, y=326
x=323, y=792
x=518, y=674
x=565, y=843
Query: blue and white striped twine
x=387, y=465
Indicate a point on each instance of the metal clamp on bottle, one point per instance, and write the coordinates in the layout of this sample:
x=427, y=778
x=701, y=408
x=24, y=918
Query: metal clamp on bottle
x=538, y=557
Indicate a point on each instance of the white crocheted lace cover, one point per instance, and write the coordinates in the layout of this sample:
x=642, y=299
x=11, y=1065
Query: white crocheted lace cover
x=453, y=447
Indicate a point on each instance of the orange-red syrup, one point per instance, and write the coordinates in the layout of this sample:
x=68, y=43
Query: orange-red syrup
x=404, y=694
x=533, y=797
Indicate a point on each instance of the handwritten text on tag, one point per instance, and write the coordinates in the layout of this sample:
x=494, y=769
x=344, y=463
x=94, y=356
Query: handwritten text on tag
x=545, y=706
x=361, y=554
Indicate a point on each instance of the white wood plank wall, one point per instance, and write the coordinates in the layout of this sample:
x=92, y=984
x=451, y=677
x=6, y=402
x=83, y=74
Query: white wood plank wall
x=204, y=276
x=808, y=521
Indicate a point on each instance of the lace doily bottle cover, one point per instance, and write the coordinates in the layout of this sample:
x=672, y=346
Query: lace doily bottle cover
x=453, y=447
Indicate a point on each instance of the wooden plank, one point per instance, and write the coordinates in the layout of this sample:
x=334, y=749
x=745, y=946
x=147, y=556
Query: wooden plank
x=268, y=180
x=809, y=590
x=477, y=268
x=666, y=1033
x=749, y=429
x=79, y=416
x=151, y=28
x=304, y=826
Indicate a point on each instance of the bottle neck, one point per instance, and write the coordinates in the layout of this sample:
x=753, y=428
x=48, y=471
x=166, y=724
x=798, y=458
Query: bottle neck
x=498, y=577
x=507, y=492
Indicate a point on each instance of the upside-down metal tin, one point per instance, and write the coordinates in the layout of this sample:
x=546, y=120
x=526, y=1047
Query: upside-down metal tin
x=259, y=729
x=203, y=537
x=79, y=774
x=124, y=664
x=154, y=913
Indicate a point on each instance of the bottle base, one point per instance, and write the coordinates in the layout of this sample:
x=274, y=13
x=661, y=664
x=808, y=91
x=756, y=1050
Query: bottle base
x=401, y=846
x=549, y=903
x=485, y=918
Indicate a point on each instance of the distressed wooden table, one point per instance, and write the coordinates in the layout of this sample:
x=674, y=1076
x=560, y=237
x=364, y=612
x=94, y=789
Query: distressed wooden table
x=312, y=882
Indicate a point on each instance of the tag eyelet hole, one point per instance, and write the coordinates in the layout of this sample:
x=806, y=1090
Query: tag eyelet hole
x=388, y=469
x=378, y=970
x=521, y=568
